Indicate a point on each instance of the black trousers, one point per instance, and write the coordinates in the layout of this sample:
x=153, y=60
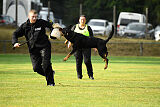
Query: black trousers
x=79, y=55
x=41, y=62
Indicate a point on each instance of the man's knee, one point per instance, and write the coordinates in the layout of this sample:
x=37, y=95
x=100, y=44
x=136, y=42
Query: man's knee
x=47, y=65
x=39, y=70
x=87, y=62
x=36, y=68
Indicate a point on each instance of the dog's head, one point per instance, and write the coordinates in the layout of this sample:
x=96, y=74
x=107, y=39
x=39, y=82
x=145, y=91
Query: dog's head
x=67, y=30
x=57, y=31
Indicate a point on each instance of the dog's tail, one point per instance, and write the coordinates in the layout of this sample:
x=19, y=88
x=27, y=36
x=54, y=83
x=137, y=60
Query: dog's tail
x=110, y=35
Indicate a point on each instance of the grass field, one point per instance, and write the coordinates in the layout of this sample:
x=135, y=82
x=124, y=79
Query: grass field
x=128, y=82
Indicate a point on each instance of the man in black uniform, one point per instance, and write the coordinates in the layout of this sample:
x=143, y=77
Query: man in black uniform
x=86, y=30
x=39, y=45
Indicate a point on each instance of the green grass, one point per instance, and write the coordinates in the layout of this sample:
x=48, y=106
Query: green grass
x=128, y=82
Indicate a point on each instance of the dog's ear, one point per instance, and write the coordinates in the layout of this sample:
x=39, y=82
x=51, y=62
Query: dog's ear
x=70, y=27
x=60, y=29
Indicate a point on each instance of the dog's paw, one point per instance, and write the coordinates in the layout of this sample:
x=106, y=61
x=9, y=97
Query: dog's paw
x=105, y=67
x=65, y=59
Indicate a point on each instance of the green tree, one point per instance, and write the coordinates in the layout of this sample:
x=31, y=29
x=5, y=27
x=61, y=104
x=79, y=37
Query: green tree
x=68, y=10
x=1, y=6
x=154, y=11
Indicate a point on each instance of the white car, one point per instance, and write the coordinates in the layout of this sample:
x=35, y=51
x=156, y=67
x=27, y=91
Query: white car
x=157, y=33
x=99, y=26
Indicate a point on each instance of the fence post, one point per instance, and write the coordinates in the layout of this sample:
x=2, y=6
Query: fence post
x=114, y=20
x=4, y=46
x=141, y=49
x=16, y=13
x=146, y=30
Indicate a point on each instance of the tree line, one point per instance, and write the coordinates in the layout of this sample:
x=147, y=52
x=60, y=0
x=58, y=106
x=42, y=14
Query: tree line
x=68, y=10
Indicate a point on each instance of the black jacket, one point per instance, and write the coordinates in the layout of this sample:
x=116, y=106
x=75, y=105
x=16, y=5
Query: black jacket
x=35, y=33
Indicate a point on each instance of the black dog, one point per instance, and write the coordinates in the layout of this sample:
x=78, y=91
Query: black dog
x=80, y=41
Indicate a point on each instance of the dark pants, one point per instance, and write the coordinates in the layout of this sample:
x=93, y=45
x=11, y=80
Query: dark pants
x=79, y=55
x=41, y=62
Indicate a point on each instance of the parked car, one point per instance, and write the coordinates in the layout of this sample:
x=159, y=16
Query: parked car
x=109, y=28
x=6, y=20
x=127, y=17
x=99, y=26
x=157, y=33
x=44, y=15
x=137, y=30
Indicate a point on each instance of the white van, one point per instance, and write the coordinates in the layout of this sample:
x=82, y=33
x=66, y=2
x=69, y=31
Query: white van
x=43, y=14
x=127, y=17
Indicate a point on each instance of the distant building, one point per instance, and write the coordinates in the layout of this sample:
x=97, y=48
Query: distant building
x=24, y=6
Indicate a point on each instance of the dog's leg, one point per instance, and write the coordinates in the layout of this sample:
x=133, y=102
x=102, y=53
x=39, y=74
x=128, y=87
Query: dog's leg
x=106, y=64
x=66, y=58
x=66, y=41
x=74, y=50
x=104, y=56
x=106, y=60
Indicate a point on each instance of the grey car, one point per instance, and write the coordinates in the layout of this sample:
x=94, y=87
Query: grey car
x=137, y=30
x=6, y=20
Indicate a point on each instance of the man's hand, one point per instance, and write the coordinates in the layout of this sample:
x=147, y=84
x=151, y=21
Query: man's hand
x=16, y=45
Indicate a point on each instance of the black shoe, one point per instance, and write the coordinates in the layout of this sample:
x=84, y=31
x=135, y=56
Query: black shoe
x=51, y=84
x=80, y=77
x=91, y=77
